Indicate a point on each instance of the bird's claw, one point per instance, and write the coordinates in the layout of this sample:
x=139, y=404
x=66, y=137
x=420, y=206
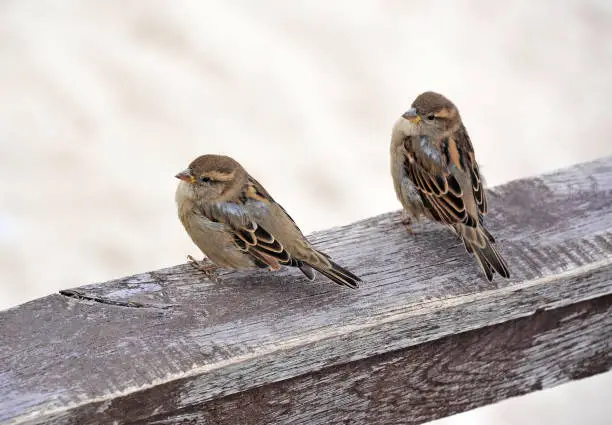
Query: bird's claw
x=407, y=222
x=206, y=267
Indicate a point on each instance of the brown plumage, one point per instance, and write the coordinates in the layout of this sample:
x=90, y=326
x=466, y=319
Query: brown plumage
x=238, y=225
x=435, y=174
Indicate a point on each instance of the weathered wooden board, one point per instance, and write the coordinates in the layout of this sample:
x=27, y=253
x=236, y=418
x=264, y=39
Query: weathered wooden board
x=425, y=337
x=431, y=380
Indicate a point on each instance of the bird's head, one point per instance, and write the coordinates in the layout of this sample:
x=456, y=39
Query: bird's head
x=432, y=114
x=212, y=177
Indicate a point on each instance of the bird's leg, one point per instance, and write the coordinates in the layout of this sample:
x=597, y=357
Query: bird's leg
x=205, y=266
x=407, y=221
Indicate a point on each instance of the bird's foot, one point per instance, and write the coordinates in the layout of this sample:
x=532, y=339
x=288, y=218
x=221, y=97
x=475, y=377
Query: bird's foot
x=407, y=222
x=205, y=266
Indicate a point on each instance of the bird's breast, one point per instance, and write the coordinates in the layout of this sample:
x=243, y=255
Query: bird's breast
x=216, y=241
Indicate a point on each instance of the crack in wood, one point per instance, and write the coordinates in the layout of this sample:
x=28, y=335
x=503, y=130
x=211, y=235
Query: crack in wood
x=80, y=295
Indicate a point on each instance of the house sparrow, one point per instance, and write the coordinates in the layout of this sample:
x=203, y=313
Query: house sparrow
x=435, y=174
x=238, y=225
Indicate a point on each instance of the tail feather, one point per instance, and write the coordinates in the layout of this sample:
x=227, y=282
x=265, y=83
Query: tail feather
x=338, y=274
x=495, y=260
x=481, y=243
x=487, y=234
x=307, y=270
x=484, y=265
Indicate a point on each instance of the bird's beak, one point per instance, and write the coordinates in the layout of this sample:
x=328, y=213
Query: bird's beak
x=186, y=176
x=412, y=116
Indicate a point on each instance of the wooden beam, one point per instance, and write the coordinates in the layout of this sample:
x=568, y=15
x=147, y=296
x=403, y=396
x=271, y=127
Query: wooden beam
x=425, y=337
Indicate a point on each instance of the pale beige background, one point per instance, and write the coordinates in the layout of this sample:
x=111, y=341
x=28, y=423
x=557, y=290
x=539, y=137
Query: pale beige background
x=102, y=102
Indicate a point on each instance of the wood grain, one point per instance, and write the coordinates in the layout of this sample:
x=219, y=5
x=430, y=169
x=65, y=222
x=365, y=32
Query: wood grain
x=425, y=337
x=431, y=380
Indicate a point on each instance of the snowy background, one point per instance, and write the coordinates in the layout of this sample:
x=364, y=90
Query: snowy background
x=102, y=102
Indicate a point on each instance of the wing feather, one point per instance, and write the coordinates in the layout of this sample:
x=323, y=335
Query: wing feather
x=249, y=235
x=243, y=219
x=438, y=187
x=465, y=145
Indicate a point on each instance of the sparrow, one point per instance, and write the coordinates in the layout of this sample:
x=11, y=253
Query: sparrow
x=435, y=175
x=238, y=225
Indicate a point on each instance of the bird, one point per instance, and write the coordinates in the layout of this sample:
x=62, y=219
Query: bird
x=237, y=224
x=435, y=175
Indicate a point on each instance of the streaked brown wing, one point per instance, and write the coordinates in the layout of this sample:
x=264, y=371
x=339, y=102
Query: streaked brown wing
x=464, y=145
x=249, y=236
x=439, y=189
x=256, y=241
x=255, y=190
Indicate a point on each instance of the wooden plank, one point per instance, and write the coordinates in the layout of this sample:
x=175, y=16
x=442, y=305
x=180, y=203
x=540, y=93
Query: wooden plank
x=188, y=349
x=431, y=380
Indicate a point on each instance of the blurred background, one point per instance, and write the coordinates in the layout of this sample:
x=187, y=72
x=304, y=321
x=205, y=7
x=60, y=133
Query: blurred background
x=102, y=102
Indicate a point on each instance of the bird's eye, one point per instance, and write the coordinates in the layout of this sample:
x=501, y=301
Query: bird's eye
x=204, y=179
x=431, y=117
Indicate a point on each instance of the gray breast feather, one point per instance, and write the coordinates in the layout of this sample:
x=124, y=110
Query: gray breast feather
x=430, y=151
x=258, y=210
x=410, y=191
x=231, y=213
x=205, y=223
